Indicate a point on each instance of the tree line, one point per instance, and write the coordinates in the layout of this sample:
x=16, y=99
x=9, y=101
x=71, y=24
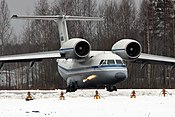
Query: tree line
x=152, y=24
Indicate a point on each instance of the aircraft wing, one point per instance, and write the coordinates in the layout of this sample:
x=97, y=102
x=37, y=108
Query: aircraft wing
x=38, y=56
x=154, y=59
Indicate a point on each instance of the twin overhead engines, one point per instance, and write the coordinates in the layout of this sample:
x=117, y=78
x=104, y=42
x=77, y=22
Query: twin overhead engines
x=76, y=48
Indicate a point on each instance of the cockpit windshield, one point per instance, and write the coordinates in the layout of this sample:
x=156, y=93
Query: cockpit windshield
x=110, y=62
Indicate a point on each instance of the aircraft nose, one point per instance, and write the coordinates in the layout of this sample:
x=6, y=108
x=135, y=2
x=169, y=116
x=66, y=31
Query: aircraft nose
x=120, y=76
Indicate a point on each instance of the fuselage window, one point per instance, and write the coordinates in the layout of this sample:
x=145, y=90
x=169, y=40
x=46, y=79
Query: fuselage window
x=110, y=62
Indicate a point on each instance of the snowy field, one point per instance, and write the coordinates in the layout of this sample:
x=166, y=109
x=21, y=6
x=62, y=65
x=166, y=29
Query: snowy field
x=148, y=103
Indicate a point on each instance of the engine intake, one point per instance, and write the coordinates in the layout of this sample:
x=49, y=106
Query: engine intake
x=127, y=49
x=82, y=48
x=75, y=48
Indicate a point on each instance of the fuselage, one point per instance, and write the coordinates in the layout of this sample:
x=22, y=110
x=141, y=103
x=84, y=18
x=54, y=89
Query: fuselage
x=100, y=68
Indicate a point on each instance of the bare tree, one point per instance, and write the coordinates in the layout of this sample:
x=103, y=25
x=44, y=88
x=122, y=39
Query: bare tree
x=41, y=35
x=5, y=29
x=144, y=36
x=5, y=35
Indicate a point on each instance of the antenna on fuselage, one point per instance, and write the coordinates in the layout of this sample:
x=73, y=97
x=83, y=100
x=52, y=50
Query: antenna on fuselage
x=61, y=21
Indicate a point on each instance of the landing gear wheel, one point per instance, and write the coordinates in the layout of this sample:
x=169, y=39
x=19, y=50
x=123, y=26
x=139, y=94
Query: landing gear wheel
x=115, y=88
x=111, y=88
x=72, y=88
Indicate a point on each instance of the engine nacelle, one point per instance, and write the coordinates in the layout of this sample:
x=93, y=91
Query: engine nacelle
x=127, y=49
x=75, y=48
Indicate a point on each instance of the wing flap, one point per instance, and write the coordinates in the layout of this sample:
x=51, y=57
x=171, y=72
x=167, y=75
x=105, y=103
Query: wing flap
x=30, y=56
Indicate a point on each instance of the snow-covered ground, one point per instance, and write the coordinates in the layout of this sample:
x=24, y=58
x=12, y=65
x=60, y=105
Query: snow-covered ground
x=148, y=103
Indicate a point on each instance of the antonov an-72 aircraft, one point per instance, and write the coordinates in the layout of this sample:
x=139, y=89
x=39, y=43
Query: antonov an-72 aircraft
x=80, y=66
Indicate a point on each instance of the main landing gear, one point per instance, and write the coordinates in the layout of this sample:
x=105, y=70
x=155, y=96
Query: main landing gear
x=111, y=88
x=72, y=87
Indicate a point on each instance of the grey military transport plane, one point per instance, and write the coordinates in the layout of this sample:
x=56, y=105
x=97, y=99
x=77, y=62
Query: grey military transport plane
x=80, y=66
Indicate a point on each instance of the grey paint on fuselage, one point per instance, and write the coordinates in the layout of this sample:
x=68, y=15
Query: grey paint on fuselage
x=73, y=70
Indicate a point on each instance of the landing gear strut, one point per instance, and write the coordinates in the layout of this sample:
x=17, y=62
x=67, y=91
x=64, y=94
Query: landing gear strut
x=111, y=88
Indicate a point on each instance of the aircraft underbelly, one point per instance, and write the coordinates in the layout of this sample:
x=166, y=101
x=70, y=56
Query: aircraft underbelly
x=102, y=75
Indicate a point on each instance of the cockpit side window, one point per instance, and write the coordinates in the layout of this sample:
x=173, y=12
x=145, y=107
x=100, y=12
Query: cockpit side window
x=102, y=62
x=119, y=62
x=110, y=62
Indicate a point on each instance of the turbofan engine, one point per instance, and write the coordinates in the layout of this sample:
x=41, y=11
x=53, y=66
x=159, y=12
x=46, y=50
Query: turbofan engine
x=127, y=49
x=75, y=48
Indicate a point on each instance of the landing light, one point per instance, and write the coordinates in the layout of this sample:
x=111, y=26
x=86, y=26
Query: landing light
x=90, y=78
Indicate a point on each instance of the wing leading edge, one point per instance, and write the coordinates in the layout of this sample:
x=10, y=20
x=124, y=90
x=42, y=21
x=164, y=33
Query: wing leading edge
x=154, y=59
x=30, y=57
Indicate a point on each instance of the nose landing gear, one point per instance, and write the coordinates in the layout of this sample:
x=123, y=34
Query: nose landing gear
x=72, y=87
x=111, y=88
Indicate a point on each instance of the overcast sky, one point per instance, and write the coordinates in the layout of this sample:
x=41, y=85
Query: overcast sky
x=21, y=7
x=24, y=7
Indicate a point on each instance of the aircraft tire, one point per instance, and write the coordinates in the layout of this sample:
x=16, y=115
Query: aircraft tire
x=111, y=88
x=71, y=88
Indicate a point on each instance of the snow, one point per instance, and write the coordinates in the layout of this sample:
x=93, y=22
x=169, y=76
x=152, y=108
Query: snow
x=148, y=103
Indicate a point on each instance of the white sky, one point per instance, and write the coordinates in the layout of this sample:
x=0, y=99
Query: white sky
x=25, y=7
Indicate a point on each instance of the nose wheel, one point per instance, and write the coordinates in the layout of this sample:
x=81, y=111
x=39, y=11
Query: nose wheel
x=72, y=87
x=111, y=88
